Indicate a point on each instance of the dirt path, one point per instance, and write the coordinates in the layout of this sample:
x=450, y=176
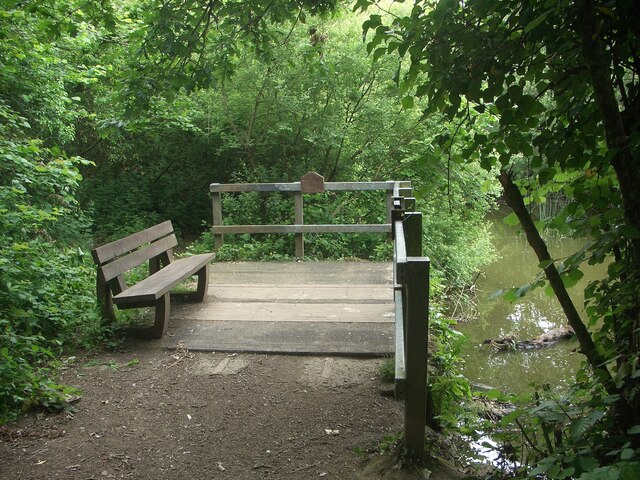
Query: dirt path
x=148, y=413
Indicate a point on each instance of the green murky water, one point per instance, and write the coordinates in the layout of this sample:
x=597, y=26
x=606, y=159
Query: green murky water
x=532, y=315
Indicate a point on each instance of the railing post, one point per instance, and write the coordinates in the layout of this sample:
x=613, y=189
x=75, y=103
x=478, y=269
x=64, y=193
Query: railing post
x=299, y=220
x=416, y=279
x=405, y=191
x=216, y=204
x=413, y=233
x=389, y=197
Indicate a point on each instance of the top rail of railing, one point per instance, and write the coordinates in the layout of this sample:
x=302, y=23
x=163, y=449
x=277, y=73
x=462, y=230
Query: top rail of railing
x=299, y=187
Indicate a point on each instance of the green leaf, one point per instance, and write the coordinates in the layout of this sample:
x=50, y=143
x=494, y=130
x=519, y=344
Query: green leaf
x=635, y=430
x=407, y=102
x=544, y=264
x=528, y=105
x=487, y=162
x=588, y=464
x=515, y=35
x=373, y=22
x=533, y=24
x=379, y=53
x=628, y=231
x=511, y=295
x=545, y=175
x=510, y=417
x=493, y=394
x=627, y=454
x=602, y=473
x=580, y=426
x=629, y=471
x=511, y=219
x=361, y=5
x=572, y=277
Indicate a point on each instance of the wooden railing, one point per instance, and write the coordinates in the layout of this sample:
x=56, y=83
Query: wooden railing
x=411, y=296
x=309, y=184
x=410, y=274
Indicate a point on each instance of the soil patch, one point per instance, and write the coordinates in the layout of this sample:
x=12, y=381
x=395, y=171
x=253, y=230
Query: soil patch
x=147, y=413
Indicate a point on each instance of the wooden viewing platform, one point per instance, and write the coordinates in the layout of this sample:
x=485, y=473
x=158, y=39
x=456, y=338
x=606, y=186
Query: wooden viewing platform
x=328, y=308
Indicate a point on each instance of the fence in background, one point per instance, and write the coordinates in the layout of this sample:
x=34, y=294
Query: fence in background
x=309, y=184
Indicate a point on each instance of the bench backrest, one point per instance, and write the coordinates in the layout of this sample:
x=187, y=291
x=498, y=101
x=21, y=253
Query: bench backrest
x=153, y=244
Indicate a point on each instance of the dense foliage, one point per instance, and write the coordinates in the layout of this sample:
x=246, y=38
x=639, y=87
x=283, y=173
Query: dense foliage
x=115, y=115
x=547, y=94
x=46, y=294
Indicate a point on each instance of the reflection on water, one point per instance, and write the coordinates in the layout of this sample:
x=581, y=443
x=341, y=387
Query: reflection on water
x=529, y=317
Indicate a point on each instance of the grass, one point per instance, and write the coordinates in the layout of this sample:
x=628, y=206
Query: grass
x=387, y=370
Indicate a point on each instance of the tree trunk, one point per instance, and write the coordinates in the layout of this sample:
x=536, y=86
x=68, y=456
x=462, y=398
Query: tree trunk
x=626, y=164
x=515, y=201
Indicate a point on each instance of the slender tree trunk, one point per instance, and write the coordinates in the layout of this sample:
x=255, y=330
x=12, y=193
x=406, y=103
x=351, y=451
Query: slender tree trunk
x=515, y=201
x=626, y=164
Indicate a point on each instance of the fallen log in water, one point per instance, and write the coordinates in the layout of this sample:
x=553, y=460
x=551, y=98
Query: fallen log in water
x=541, y=341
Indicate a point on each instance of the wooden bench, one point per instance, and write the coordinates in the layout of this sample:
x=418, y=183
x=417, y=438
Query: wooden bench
x=155, y=245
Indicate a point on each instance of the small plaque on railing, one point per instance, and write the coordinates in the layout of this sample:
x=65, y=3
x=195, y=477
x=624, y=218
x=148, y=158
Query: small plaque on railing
x=312, y=182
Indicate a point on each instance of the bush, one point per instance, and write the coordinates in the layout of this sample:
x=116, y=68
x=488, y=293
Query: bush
x=47, y=298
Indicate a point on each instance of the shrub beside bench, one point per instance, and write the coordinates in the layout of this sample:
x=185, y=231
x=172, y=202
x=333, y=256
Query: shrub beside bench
x=155, y=245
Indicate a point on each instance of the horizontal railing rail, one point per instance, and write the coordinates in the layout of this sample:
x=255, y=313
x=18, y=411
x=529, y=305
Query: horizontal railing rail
x=296, y=186
x=330, y=228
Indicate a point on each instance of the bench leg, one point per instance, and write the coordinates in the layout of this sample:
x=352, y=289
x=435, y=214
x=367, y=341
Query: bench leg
x=161, y=321
x=104, y=299
x=203, y=283
x=200, y=293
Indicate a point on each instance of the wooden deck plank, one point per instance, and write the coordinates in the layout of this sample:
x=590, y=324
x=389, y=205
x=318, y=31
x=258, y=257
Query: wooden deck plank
x=290, y=293
x=363, y=339
x=287, y=312
x=301, y=273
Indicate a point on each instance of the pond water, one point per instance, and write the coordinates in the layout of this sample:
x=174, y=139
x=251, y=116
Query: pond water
x=536, y=313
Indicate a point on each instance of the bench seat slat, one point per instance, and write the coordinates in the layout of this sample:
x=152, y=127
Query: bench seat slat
x=126, y=263
x=153, y=287
x=112, y=250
